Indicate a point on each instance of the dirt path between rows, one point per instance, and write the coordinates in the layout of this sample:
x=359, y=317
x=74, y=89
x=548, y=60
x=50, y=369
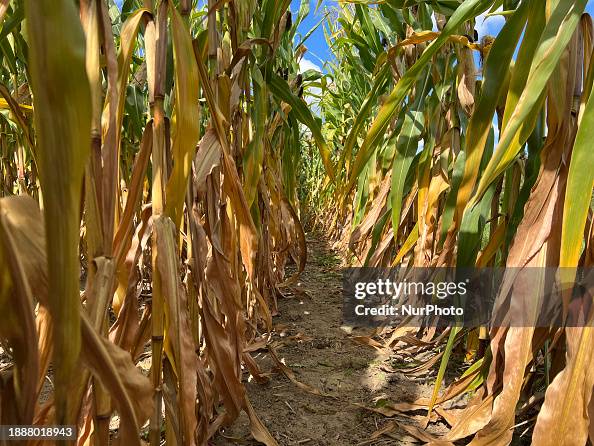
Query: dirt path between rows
x=312, y=343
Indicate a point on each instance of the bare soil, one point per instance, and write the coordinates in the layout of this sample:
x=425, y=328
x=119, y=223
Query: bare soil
x=312, y=342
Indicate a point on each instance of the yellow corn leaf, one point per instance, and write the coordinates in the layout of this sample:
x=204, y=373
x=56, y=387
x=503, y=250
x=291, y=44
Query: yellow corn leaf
x=187, y=131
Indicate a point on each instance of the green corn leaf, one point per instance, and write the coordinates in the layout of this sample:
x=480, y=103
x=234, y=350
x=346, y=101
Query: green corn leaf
x=554, y=39
x=468, y=9
x=62, y=102
x=578, y=194
x=495, y=71
x=279, y=88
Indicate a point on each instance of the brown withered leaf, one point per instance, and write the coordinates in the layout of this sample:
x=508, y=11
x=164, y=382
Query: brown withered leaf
x=207, y=158
x=23, y=217
x=362, y=230
x=289, y=374
x=131, y=391
x=179, y=334
x=466, y=79
x=221, y=340
x=567, y=398
x=16, y=305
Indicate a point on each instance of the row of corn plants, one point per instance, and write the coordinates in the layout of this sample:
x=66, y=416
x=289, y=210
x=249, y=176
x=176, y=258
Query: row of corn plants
x=148, y=208
x=451, y=150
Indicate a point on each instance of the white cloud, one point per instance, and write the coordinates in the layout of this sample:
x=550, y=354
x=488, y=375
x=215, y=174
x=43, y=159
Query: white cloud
x=305, y=64
x=489, y=25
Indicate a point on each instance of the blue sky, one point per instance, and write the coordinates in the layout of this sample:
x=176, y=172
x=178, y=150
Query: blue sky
x=316, y=44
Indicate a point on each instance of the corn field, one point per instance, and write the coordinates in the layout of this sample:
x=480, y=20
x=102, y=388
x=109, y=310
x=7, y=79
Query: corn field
x=160, y=160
